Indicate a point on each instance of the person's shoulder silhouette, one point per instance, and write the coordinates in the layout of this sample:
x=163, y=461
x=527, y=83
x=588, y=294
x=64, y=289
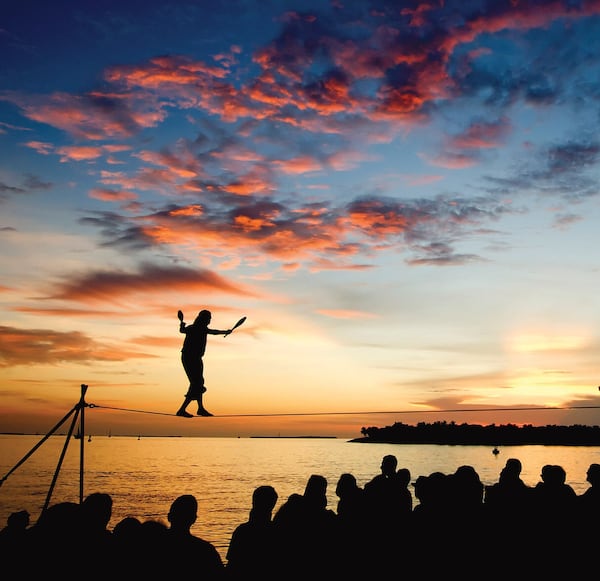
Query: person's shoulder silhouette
x=16, y=525
x=56, y=532
x=351, y=507
x=182, y=544
x=96, y=512
x=252, y=548
x=509, y=498
x=355, y=551
x=14, y=539
x=590, y=498
x=304, y=527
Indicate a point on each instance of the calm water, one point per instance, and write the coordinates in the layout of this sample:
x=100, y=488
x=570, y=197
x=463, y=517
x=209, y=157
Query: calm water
x=144, y=476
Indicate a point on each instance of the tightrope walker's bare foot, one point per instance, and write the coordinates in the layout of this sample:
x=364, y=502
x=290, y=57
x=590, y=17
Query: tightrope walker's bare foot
x=203, y=412
x=184, y=414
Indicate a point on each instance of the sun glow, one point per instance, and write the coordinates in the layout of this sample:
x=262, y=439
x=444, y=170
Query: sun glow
x=529, y=342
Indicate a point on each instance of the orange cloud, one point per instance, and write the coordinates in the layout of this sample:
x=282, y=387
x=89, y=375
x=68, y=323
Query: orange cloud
x=163, y=70
x=44, y=346
x=84, y=117
x=193, y=210
x=183, y=164
x=109, y=286
x=112, y=196
x=147, y=179
x=375, y=217
x=40, y=146
x=79, y=153
x=298, y=165
x=248, y=224
x=71, y=312
x=248, y=185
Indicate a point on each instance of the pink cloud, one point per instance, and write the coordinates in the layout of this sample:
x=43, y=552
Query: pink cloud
x=111, y=195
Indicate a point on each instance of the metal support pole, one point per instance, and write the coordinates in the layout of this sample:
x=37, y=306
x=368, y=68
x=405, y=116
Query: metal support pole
x=39, y=444
x=60, y=460
x=79, y=409
x=82, y=405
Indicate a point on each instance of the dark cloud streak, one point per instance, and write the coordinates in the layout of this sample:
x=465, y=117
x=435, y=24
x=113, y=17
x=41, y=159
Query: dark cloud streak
x=116, y=286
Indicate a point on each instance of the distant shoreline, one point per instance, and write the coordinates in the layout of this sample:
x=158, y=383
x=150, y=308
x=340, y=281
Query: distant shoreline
x=163, y=436
x=486, y=444
x=451, y=433
x=305, y=437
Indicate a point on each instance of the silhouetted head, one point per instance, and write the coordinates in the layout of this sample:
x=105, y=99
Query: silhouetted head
x=559, y=473
x=183, y=511
x=315, y=491
x=511, y=471
x=346, y=484
x=96, y=510
x=467, y=475
x=153, y=535
x=404, y=476
x=127, y=528
x=432, y=490
x=546, y=473
x=420, y=485
x=59, y=519
x=389, y=464
x=264, y=498
x=467, y=484
x=514, y=466
x=18, y=520
x=203, y=317
x=553, y=474
x=593, y=474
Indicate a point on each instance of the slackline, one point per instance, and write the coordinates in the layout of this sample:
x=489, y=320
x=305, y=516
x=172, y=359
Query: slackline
x=358, y=413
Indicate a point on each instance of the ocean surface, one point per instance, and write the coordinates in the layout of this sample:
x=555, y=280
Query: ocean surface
x=145, y=475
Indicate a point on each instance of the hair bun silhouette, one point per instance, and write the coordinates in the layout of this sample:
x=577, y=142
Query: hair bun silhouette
x=180, y=315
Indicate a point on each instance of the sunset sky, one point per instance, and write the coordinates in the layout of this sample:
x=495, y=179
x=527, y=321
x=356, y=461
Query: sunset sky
x=402, y=197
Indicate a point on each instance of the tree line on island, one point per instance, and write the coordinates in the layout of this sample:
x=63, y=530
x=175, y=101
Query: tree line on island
x=443, y=432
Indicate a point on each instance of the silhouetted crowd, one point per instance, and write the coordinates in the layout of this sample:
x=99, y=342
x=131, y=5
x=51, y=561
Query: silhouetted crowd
x=447, y=524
